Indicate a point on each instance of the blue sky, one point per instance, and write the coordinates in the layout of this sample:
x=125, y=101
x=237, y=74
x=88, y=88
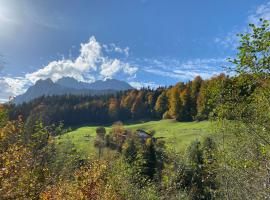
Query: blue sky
x=144, y=42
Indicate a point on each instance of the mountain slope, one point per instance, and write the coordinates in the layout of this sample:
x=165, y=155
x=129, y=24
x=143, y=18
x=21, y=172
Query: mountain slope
x=72, y=83
x=108, y=84
x=71, y=86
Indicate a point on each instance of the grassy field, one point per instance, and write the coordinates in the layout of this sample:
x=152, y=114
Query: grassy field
x=176, y=134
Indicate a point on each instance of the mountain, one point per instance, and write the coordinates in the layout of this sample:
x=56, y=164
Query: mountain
x=72, y=83
x=69, y=85
x=108, y=84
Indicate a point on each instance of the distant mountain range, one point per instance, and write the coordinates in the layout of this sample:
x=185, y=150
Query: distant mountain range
x=69, y=85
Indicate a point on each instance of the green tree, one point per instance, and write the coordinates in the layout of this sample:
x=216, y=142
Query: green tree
x=254, y=50
x=244, y=142
x=198, y=177
x=3, y=116
x=150, y=166
x=130, y=150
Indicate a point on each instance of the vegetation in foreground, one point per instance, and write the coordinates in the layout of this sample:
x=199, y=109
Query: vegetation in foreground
x=234, y=165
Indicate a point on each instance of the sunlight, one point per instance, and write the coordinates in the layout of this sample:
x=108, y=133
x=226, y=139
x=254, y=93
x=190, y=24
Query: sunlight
x=7, y=16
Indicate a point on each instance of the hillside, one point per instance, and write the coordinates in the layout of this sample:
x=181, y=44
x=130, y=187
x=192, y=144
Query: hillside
x=178, y=135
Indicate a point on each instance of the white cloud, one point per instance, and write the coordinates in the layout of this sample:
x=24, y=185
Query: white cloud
x=16, y=84
x=5, y=92
x=90, y=55
x=262, y=11
x=139, y=85
x=11, y=87
x=124, y=51
x=114, y=48
x=90, y=63
x=111, y=67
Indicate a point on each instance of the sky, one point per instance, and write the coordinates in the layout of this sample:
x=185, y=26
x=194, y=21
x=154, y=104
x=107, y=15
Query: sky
x=143, y=42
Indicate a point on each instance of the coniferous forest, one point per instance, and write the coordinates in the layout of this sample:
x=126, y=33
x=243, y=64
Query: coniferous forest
x=230, y=163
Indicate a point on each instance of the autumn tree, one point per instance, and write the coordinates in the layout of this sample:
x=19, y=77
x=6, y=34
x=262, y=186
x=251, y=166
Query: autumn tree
x=113, y=109
x=138, y=109
x=161, y=104
x=116, y=137
x=24, y=164
x=175, y=104
x=126, y=104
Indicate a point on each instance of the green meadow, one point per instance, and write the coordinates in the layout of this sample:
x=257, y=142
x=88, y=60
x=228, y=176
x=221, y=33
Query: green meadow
x=177, y=135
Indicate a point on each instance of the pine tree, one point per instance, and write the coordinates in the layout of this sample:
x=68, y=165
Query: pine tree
x=195, y=90
x=186, y=114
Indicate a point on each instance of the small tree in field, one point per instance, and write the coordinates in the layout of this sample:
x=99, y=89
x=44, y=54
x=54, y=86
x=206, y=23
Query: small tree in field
x=100, y=140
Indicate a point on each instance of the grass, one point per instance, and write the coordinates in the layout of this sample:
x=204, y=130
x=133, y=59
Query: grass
x=178, y=135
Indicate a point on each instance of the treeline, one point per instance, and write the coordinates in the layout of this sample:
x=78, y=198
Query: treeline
x=178, y=102
x=193, y=100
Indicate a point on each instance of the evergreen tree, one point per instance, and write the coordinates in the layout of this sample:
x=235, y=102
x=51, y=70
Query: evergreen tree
x=195, y=90
x=186, y=114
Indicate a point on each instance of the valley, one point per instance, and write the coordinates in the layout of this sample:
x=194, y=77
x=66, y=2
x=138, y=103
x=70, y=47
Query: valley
x=177, y=135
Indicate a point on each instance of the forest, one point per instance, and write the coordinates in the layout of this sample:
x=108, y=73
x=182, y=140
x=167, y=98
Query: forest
x=232, y=163
x=190, y=101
